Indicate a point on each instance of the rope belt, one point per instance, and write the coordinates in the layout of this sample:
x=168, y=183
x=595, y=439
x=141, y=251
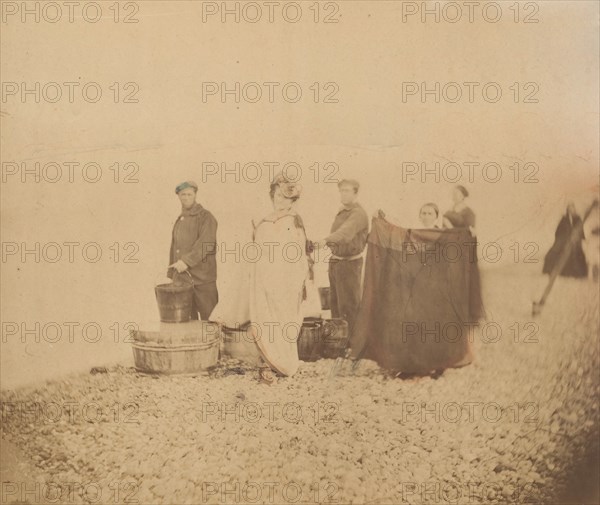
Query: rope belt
x=346, y=258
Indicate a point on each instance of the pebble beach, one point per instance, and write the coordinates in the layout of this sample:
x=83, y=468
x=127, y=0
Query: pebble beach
x=512, y=427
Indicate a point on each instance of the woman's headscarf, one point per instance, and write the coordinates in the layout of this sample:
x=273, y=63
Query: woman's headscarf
x=290, y=189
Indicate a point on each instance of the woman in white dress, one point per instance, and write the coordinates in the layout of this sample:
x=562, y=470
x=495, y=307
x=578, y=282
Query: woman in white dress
x=273, y=285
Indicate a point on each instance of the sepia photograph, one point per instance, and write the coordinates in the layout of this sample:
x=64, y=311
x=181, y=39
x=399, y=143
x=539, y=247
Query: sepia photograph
x=300, y=252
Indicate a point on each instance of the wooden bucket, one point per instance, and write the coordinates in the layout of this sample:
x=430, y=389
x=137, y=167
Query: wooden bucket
x=239, y=344
x=310, y=339
x=176, y=348
x=175, y=299
x=335, y=338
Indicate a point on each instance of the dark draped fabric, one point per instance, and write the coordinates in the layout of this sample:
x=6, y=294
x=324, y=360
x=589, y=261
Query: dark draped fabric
x=576, y=265
x=421, y=298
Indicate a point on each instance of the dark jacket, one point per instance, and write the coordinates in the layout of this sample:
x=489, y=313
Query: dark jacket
x=569, y=234
x=195, y=243
x=349, y=231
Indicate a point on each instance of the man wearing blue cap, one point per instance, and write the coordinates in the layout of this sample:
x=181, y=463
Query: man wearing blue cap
x=193, y=249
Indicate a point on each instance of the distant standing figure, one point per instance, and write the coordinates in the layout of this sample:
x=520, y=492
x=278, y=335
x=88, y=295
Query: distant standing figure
x=594, y=239
x=576, y=265
x=461, y=215
x=193, y=249
x=347, y=241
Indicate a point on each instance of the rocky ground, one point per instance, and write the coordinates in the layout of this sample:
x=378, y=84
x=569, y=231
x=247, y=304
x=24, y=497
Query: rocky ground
x=520, y=425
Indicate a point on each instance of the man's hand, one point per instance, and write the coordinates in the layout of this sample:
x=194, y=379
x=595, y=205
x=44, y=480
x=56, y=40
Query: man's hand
x=320, y=244
x=180, y=266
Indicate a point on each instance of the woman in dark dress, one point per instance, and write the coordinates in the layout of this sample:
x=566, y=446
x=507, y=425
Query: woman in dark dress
x=576, y=265
x=461, y=216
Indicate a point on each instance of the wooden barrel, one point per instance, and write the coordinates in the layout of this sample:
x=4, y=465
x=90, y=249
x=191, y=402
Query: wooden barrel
x=335, y=338
x=176, y=348
x=239, y=344
x=310, y=339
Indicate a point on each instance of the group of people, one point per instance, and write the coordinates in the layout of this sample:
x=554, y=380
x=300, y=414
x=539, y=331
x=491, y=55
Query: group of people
x=272, y=289
x=460, y=216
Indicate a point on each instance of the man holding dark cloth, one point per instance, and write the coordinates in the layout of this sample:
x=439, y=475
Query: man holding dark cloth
x=193, y=249
x=347, y=241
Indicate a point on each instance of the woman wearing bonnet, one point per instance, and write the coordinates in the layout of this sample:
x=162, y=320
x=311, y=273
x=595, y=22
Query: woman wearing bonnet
x=273, y=287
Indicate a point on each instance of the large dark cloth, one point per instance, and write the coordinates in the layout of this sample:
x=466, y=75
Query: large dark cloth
x=420, y=303
x=344, y=291
x=576, y=265
x=465, y=218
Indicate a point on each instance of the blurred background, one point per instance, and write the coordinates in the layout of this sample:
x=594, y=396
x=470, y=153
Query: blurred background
x=368, y=135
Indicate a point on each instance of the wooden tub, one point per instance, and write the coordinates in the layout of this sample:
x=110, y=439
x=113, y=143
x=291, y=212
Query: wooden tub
x=176, y=348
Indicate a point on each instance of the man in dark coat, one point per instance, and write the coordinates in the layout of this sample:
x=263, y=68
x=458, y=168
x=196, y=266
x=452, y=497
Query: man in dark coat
x=193, y=249
x=347, y=242
x=569, y=234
